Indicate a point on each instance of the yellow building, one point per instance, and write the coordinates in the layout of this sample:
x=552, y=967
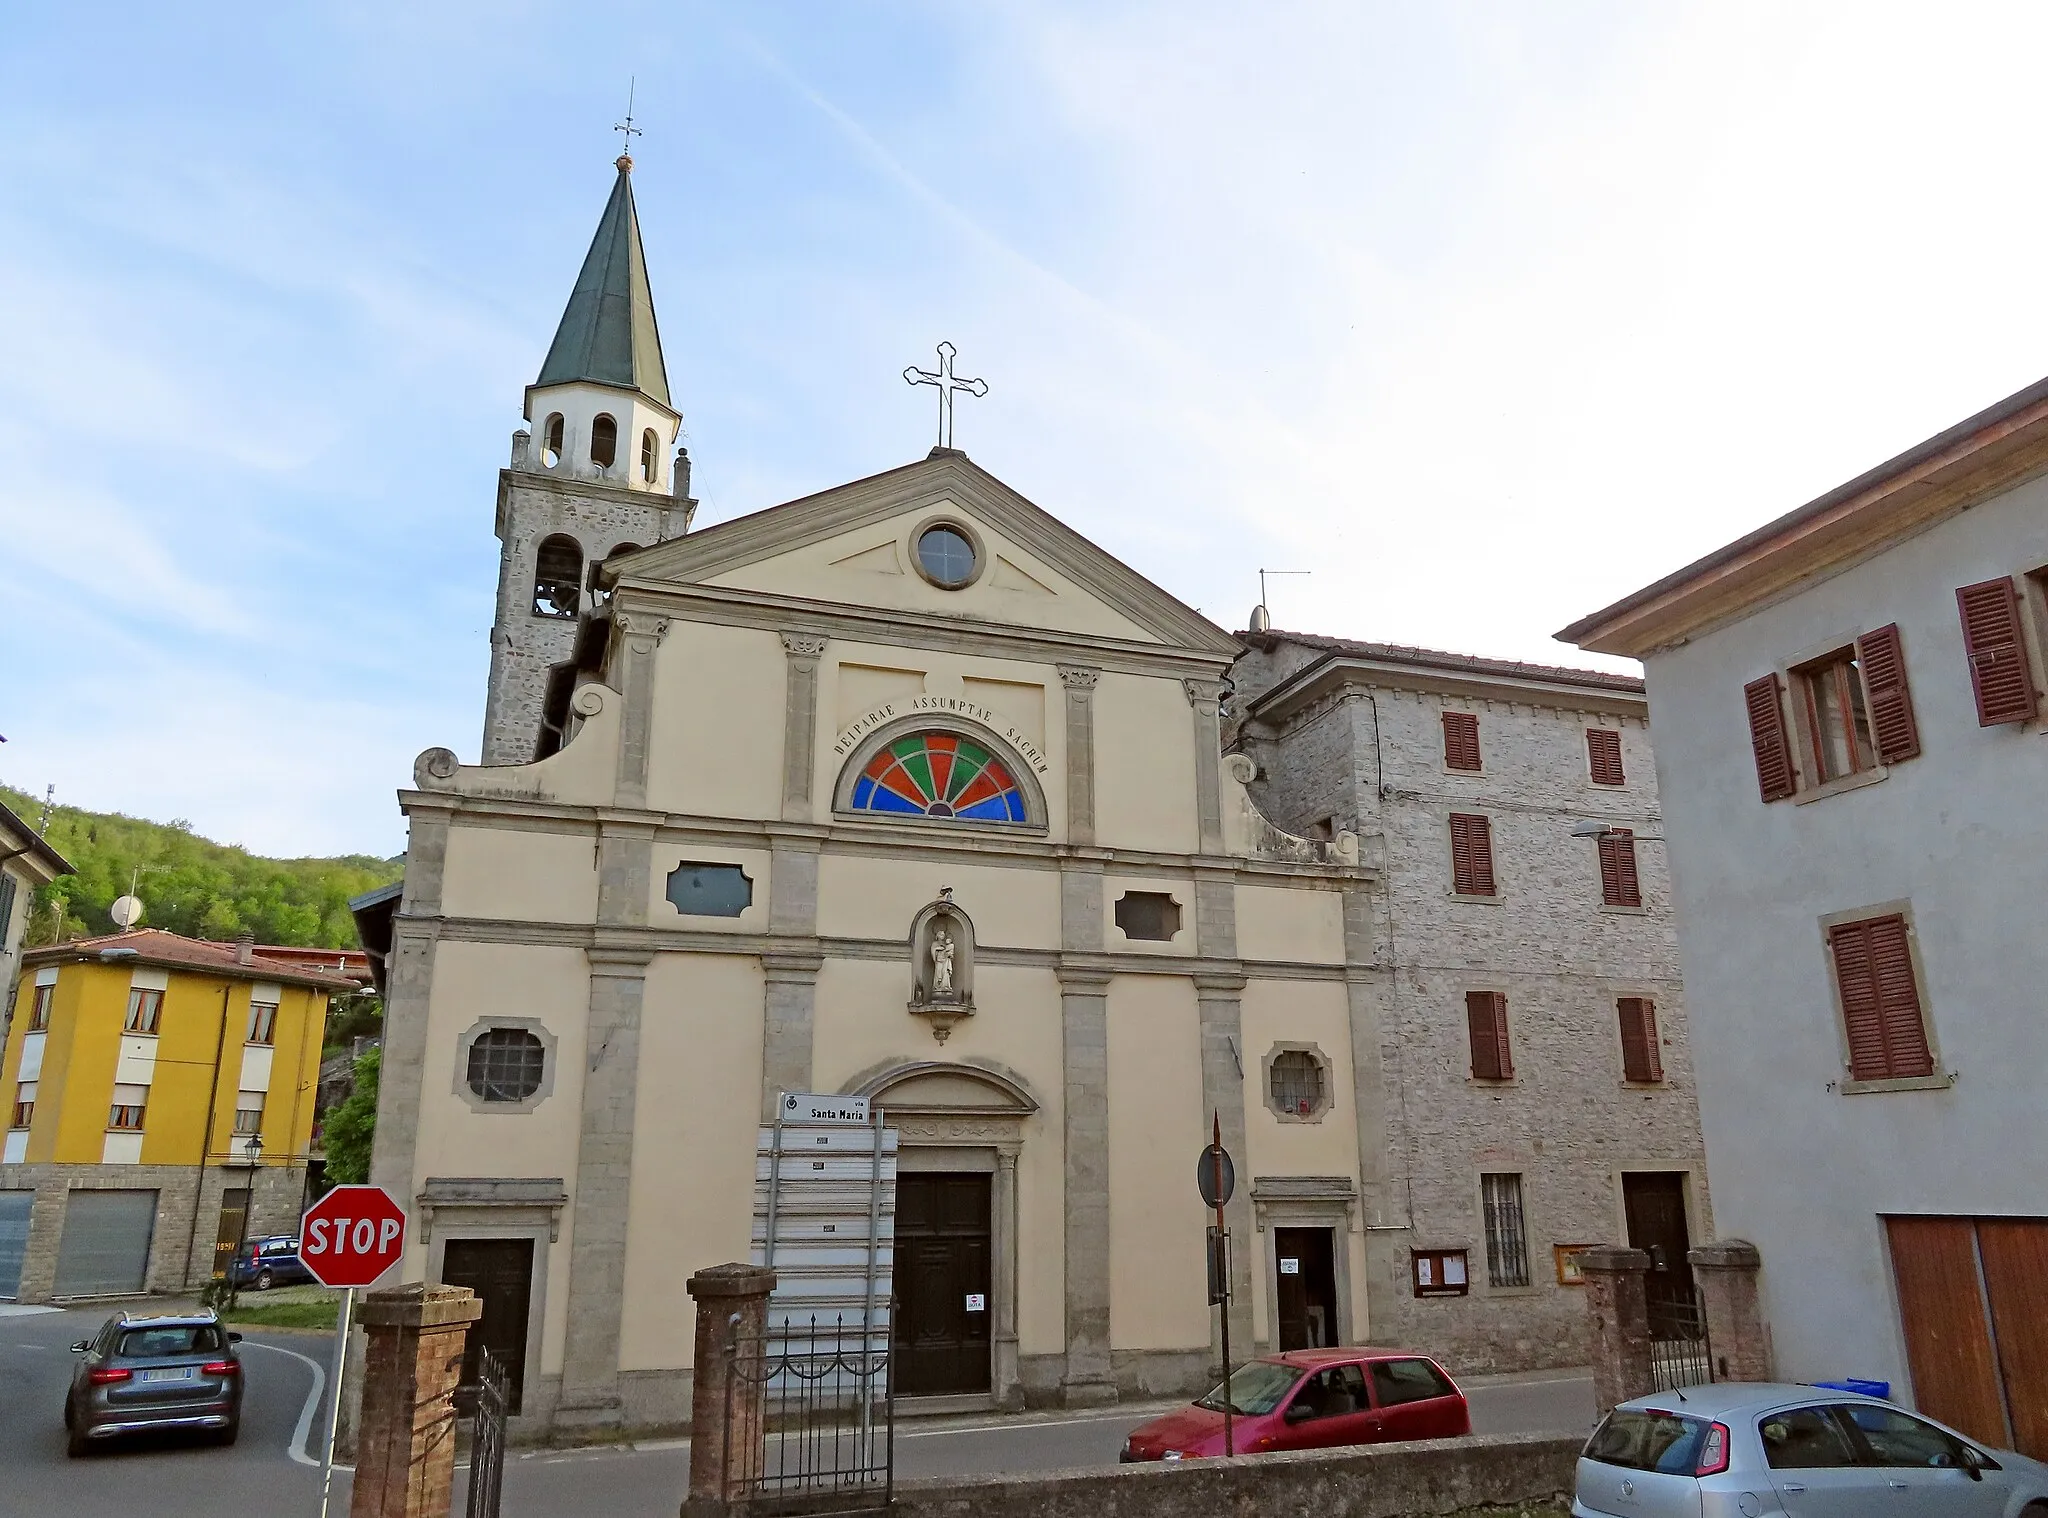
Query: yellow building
x=160, y=1095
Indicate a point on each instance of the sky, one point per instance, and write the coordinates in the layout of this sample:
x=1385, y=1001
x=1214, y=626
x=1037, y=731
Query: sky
x=1485, y=314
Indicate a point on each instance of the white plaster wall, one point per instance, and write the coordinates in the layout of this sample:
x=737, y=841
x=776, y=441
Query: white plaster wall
x=1144, y=765
x=1961, y=832
x=715, y=742
x=874, y=895
x=580, y=406
x=1158, y=1291
x=519, y=876
x=695, y=1116
x=1299, y=925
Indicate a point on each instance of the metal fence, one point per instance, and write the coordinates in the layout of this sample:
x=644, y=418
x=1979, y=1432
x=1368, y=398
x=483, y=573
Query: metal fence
x=487, y=1397
x=1680, y=1354
x=810, y=1420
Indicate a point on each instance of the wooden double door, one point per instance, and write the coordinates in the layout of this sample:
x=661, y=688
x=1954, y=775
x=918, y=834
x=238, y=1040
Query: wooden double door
x=500, y=1272
x=1973, y=1304
x=944, y=1302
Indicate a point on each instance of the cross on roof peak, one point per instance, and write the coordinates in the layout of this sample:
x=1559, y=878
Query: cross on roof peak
x=946, y=383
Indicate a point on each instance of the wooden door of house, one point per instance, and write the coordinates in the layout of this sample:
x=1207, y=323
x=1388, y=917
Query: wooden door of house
x=500, y=1272
x=1305, y=1269
x=1654, y=1202
x=1973, y=1307
x=943, y=1309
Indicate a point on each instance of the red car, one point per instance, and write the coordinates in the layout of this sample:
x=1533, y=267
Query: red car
x=1313, y=1399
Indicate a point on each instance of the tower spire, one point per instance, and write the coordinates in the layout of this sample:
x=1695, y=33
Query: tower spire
x=608, y=334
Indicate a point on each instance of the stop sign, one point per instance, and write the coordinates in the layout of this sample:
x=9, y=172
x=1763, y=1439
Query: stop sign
x=352, y=1235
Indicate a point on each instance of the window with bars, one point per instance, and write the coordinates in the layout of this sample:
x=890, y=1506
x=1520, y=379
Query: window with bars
x=506, y=1064
x=1486, y=1023
x=1507, y=1243
x=1471, y=855
x=1879, y=992
x=1619, y=884
x=1461, y=741
x=39, y=1009
x=248, y=1113
x=1603, y=756
x=262, y=1022
x=1641, y=1060
x=145, y=1007
x=1295, y=1083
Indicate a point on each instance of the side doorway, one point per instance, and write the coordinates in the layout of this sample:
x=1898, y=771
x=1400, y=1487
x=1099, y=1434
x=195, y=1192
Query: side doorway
x=1654, y=1202
x=500, y=1272
x=1305, y=1273
x=943, y=1281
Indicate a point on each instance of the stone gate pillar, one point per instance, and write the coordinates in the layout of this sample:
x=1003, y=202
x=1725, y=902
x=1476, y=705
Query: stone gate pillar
x=1726, y=1271
x=405, y=1440
x=1619, y=1312
x=732, y=1304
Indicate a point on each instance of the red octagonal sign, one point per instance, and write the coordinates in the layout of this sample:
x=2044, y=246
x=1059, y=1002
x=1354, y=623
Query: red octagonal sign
x=352, y=1235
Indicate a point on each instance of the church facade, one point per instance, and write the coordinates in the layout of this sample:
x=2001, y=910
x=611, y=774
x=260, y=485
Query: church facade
x=902, y=790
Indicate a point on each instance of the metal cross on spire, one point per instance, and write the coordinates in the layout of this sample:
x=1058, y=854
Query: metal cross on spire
x=947, y=384
x=627, y=126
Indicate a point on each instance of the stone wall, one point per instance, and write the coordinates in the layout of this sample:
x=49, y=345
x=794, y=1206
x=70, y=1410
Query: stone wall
x=187, y=1215
x=1440, y=1476
x=1369, y=754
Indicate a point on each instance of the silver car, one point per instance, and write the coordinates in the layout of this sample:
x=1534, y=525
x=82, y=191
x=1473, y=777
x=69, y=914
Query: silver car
x=141, y=1373
x=1749, y=1449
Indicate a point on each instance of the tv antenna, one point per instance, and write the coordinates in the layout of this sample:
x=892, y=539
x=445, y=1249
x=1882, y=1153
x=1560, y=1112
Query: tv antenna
x=1262, y=619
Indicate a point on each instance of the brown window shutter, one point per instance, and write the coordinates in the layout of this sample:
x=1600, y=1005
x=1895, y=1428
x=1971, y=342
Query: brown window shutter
x=1883, y=658
x=1880, y=1001
x=1486, y=1021
x=1461, y=741
x=1471, y=855
x=1603, y=755
x=1640, y=1058
x=1619, y=886
x=1997, y=653
x=1765, y=699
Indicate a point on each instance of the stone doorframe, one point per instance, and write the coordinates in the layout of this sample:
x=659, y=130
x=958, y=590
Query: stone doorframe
x=967, y=1117
x=499, y=1207
x=1306, y=1201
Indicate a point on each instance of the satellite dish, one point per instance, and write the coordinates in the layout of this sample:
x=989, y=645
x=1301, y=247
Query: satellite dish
x=1262, y=620
x=126, y=911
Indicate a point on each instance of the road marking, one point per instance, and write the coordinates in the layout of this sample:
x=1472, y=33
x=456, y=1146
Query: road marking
x=1511, y=1385
x=305, y=1424
x=1017, y=1425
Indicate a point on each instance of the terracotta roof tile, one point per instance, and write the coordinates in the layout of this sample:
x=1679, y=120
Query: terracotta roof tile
x=1430, y=658
x=157, y=947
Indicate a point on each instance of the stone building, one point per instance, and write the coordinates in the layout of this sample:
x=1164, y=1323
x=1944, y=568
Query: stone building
x=1539, y=1088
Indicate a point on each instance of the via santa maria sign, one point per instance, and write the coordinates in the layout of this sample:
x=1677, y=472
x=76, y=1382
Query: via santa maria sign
x=851, y=735
x=802, y=1107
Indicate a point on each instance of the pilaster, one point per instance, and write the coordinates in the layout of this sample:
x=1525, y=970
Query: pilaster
x=1009, y=1387
x=604, y=1176
x=408, y=987
x=643, y=635
x=1084, y=1045
x=800, y=723
x=789, y=996
x=1205, y=697
x=1219, y=1001
x=1079, y=682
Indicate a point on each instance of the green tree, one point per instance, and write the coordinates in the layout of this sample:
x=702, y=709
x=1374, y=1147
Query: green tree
x=352, y=1125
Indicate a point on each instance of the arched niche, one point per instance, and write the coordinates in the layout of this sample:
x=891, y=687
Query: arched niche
x=942, y=964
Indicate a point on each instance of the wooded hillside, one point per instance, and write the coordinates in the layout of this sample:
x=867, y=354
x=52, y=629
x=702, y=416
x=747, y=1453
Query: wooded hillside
x=190, y=884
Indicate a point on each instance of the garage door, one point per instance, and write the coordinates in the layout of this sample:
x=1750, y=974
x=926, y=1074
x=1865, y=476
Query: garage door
x=104, y=1250
x=14, y=1211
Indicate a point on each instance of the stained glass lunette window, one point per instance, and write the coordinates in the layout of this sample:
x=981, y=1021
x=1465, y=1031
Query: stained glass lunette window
x=939, y=775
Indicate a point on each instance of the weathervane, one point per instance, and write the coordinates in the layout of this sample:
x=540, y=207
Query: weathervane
x=946, y=384
x=627, y=126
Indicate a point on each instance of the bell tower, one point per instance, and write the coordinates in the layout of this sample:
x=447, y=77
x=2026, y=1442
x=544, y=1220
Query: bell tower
x=594, y=472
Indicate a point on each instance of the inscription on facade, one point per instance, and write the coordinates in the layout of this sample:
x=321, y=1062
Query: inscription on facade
x=952, y=706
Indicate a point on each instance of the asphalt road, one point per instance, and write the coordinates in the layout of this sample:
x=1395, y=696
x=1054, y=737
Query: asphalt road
x=269, y=1470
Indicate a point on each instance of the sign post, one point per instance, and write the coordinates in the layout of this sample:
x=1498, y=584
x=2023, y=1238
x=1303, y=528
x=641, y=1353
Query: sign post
x=348, y=1238
x=1216, y=1179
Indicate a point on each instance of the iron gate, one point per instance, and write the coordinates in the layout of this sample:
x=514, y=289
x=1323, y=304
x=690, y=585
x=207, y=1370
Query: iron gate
x=488, y=1396
x=1680, y=1354
x=810, y=1420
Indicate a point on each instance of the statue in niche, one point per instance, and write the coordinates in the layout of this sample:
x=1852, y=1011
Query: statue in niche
x=942, y=964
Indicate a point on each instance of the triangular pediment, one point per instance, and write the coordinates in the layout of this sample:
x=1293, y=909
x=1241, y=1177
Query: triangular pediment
x=853, y=545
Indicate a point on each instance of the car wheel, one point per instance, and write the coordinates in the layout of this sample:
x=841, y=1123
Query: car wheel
x=229, y=1434
x=263, y=1279
x=76, y=1445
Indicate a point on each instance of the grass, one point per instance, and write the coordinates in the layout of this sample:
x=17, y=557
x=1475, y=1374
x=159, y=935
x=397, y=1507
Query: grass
x=313, y=1307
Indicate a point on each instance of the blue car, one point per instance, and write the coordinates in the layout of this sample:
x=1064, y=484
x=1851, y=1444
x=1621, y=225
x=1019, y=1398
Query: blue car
x=264, y=1263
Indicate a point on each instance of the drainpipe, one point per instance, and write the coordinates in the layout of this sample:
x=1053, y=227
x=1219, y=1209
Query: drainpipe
x=206, y=1137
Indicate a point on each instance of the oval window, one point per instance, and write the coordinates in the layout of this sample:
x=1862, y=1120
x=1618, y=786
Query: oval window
x=946, y=555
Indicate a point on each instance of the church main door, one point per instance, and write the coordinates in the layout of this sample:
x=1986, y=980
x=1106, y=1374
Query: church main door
x=943, y=1311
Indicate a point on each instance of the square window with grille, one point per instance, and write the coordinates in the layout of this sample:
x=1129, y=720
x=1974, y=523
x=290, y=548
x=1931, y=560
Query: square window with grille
x=145, y=1007
x=1150, y=915
x=262, y=1022
x=1296, y=1083
x=1507, y=1240
x=506, y=1064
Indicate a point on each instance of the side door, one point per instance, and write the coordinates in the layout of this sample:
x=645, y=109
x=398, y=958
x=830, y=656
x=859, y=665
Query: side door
x=1330, y=1408
x=1817, y=1468
x=1924, y=1468
x=1415, y=1401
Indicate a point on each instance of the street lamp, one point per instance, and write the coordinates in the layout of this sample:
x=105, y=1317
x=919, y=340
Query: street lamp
x=252, y=1153
x=1606, y=830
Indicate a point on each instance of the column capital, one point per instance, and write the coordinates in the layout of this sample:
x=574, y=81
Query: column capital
x=1078, y=980
x=1079, y=677
x=640, y=624
x=1211, y=984
x=791, y=965
x=1202, y=693
x=804, y=645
